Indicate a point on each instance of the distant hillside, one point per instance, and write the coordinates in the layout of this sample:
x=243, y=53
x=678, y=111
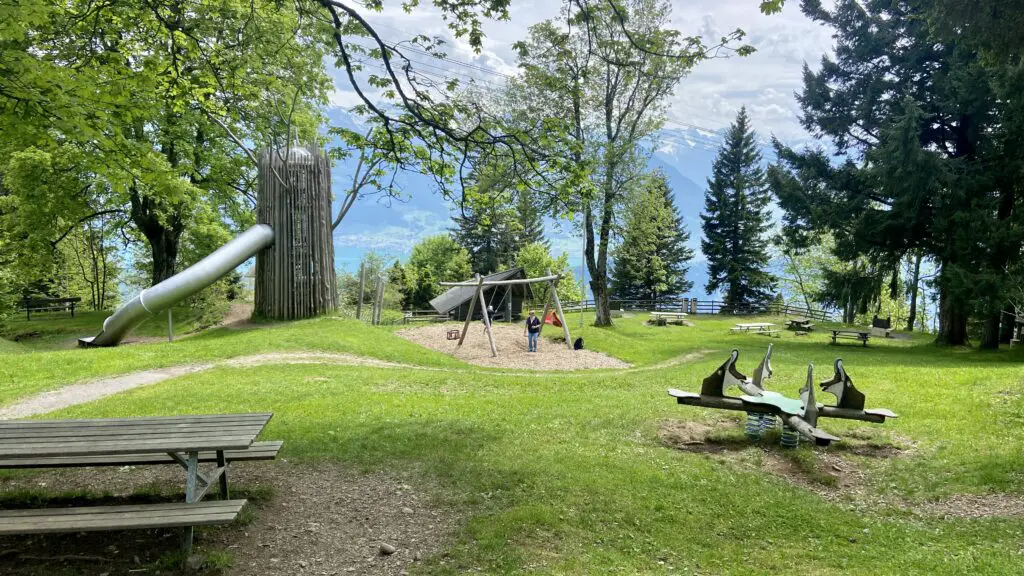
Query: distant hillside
x=393, y=226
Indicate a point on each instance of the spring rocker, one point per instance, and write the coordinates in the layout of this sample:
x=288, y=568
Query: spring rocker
x=799, y=416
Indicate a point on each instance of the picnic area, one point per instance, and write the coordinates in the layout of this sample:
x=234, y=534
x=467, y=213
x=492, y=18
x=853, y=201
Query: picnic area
x=383, y=441
x=609, y=287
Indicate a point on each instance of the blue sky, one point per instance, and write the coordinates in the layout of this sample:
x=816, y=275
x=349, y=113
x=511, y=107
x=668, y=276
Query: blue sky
x=704, y=103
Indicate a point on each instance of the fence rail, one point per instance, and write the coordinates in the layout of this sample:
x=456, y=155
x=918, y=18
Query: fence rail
x=695, y=306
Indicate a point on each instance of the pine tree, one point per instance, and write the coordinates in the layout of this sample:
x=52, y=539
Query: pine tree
x=652, y=259
x=736, y=222
x=495, y=223
x=531, y=223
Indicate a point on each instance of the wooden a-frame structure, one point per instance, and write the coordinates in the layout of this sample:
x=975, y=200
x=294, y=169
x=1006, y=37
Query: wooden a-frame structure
x=479, y=282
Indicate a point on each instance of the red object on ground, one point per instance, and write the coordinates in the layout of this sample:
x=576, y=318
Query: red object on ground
x=552, y=318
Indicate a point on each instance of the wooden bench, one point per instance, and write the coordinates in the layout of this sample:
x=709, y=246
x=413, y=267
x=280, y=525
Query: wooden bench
x=145, y=440
x=769, y=333
x=860, y=335
x=258, y=451
x=30, y=305
x=129, y=517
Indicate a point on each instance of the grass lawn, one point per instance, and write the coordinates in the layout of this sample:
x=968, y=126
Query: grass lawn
x=565, y=473
x=58, y=330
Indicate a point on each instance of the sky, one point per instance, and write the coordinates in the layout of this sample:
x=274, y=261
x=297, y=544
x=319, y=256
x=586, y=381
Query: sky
x=704, y=103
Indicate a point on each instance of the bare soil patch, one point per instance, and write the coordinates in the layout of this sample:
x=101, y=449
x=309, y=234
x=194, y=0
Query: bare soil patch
x=825, y=471
x=238, y=317
x=306, y=519
x=839, y=472
x=511, y=345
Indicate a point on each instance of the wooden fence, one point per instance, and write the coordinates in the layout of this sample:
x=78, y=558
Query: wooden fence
x=695, y=306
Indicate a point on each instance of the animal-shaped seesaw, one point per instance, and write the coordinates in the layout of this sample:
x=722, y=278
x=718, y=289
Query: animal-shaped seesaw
x=799, y=415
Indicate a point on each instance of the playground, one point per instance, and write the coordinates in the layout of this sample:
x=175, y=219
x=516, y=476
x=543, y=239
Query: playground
x=512, y=473
x=511, y=344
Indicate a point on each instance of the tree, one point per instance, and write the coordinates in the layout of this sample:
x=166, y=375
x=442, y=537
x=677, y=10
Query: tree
x=535, y=259
x=925, y=165
x=653, y=258
x=434, y=259
x=736, y=222
x=153, y=106
x=495, y=218
x=603, y=77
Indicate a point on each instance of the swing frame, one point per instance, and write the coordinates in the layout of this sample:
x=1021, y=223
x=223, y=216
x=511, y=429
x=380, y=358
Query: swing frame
x=550, y=279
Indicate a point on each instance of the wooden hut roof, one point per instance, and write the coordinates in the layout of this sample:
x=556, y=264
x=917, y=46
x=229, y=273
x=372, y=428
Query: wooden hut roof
x=459, y=295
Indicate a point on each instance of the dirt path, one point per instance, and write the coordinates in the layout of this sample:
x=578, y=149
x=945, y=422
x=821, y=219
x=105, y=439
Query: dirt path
x=96, y=389
x=83, y=392
x=314, y=518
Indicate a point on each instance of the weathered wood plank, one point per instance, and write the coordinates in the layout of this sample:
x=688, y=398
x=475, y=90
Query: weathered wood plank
x=97, y=510
x=141, y=420
x=98, y=433
x=96, y=449
x=258, y=451
x=105, y=518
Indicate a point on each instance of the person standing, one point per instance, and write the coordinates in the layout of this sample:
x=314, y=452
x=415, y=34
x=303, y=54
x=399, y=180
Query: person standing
x=532, y=331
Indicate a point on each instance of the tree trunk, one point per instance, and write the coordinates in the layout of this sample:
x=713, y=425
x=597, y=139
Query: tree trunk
x=1006, y=328
x=912, y=319
x=163, y=235
x=952, y=319
x=990, y=330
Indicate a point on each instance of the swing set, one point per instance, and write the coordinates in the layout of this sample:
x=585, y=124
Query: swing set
x=481, y=284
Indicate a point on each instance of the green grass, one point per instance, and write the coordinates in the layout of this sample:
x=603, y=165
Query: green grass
x=58, y=330
x=23, y=374
x=565, y=474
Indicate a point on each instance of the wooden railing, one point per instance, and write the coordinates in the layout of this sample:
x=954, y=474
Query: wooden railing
x=695, y=306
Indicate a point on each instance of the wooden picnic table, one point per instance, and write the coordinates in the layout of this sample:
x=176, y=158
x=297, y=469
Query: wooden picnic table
x=763, y=328
x=679, y=317
x=802, y=324
x=862, y=335
x=181, y=438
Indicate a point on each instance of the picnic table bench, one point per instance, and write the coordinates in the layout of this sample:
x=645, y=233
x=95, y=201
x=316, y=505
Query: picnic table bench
x=762, y=328
x=182, y=440
x=30, y=305
x=677, y=317
x=861, y=335
x=799, y=324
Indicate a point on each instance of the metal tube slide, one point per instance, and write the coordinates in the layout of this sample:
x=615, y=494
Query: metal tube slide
x=181, y=285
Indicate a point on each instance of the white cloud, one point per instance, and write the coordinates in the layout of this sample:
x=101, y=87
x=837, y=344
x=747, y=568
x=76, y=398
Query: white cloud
x=396, y=239
x=710, y=96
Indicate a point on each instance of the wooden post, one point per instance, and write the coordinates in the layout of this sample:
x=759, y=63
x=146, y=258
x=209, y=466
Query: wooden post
x=472, y=306
x=547, y=307
x=378, y=301
x=558, y=310
x=362, y=284
x=487, y=319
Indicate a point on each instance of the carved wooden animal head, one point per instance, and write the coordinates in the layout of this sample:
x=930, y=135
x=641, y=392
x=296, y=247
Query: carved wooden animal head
x=807, y=397
x=841, y=386
x=764, y=369
x=721, y=379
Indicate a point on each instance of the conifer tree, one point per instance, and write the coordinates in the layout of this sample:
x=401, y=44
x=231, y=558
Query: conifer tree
x=736, y=222
x=652, y=260
x=496, y=221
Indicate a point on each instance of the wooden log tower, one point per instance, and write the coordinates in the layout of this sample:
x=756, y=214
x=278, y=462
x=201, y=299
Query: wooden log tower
x=295, y=277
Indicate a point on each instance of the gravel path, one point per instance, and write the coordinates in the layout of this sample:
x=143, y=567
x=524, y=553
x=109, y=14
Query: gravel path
x=96, y=389
x=511, y=346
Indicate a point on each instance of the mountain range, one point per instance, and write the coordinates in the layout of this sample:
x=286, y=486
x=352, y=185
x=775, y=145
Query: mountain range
x=391, y=227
